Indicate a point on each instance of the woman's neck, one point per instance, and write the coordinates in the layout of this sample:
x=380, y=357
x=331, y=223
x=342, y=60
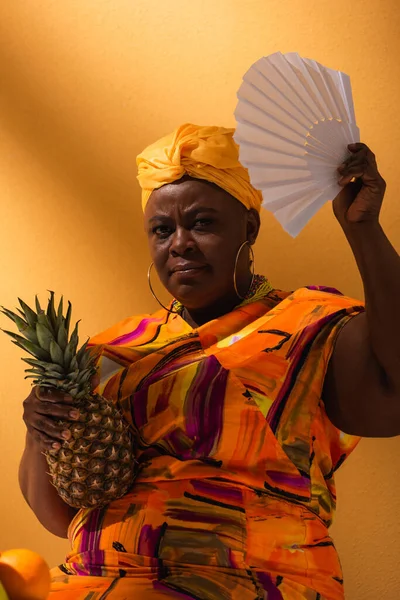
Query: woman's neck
x=198, y=316
x=257, y=288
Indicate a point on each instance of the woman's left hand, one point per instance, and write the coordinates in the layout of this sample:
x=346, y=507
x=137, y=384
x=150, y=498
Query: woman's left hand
x=360, y=200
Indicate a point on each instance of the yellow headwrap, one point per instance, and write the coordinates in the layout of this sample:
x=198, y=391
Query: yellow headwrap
x=202, y=152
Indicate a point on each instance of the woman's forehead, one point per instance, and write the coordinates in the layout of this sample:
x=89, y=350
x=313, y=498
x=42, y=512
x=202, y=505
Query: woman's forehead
x=186, y=196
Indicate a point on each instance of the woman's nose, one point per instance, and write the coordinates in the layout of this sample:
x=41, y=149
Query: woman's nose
x=181, y=241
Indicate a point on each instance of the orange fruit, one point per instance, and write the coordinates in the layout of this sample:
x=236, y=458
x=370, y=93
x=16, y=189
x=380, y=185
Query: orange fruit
x=24, y=574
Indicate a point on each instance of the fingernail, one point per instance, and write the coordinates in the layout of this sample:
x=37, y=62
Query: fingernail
x=56, y=446
x=74, y=414
x=66, y=434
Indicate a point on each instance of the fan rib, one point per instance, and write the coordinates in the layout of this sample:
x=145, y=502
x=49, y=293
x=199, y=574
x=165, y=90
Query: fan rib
x=305, y=124
x=287, y=99
x=275, y=119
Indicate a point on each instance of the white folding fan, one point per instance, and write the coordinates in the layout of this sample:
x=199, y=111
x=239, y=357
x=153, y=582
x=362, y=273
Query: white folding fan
x=295, y=118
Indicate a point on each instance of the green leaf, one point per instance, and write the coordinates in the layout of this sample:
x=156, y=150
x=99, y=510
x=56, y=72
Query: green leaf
x=73, y=375
x=30, y=334
x=45, y=337
x=57, y=355
x=29, y=314
x=46, y=366
x=15, y=336
x=36, y=351
x=85, y=362
x=51, y=383
x=34, y=363
x=35, y=371
x=30, y=376
x=43, y=319
x=83, y=377
x=54, y=375
x=69, y=385
x=20, y=323
x=38, y=307
x=82, y=351
x=68, y=317
x=70, y=350
x=51, y=312
x=60, y=316
x=54, y=367
x=74, y=390
x=21, y=313
x=68, y=355
x=62, y=338
x=74, y=337
x=60, y=307
x=87, y=356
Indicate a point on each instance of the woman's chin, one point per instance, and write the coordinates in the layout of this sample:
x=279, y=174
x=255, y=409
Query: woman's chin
x=201, y=292
x=203, y=298
x=191, y=296
x=184, y=285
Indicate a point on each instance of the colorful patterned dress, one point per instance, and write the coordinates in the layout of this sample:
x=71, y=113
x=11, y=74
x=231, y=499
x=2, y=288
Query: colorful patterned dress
x=236, y=486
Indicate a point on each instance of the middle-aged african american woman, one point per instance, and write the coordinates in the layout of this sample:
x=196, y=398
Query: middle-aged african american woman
x=245, y=399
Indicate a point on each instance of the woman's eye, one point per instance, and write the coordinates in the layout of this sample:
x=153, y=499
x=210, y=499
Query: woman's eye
x=162, y=230
x=202, y=222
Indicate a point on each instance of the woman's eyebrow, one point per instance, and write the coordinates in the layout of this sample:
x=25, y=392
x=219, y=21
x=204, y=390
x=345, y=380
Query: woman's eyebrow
x=196, y=209
x=157, y=218
x=191, y=210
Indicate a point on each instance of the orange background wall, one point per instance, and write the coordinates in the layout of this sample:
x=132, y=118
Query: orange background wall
x=84, y=85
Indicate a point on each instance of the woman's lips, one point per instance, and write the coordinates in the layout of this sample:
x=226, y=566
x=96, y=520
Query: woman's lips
x=188, y=271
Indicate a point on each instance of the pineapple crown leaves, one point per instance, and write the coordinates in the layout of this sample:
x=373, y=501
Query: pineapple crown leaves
x=44, y=335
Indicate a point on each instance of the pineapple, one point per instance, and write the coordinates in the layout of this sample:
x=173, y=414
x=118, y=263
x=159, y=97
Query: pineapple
x=96, y=465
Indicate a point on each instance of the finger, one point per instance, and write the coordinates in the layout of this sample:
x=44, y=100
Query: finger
x=364, y=163
x=45, y=442
x=353, y=175
x=67, y=412
x=52, y=395
x=50, y=428
x=345, y=168
x=358, y=147
x=369, y=179
x=371, y=160
x=361, y=152
x=355, y=170
x=33, y=406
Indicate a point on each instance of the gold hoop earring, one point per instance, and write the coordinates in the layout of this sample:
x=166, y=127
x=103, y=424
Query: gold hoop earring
x=234, y=272
x=153, y=293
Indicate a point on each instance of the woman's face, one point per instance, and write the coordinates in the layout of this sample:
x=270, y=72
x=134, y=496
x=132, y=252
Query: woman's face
x=195, y=230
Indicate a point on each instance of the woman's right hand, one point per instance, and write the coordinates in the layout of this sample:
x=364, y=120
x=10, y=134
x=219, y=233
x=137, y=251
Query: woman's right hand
x=43, y=408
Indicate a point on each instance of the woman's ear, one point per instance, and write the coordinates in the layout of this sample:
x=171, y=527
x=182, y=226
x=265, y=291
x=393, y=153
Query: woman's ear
x=253, y=225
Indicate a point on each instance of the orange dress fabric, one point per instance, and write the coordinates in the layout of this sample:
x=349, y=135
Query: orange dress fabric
x=235, y=491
